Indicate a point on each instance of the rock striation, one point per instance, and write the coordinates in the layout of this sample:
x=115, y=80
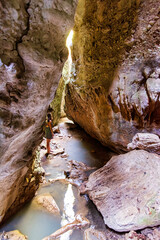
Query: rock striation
x=127, y=191
x=146, y=141
x=115, y=85
x=32, y=54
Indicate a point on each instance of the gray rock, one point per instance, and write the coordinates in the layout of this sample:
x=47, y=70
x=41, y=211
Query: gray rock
x=93, y=234
x=127, y=191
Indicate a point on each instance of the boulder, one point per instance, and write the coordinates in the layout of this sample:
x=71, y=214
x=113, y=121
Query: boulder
x=77, y=172
x=47, y=202
x=146, y=141
x=13, y=235
x=127, y=191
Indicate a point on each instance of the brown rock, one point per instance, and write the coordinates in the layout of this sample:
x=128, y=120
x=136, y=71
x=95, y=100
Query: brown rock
x=47, y=202
x=13, y=235
x=114, y=88
x=126, y=191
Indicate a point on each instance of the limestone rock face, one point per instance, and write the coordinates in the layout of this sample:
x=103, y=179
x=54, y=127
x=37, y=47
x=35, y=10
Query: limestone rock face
x=146, y=141
x=32, y=54
x=115, y=85
x=127, y=191
x=92, y=234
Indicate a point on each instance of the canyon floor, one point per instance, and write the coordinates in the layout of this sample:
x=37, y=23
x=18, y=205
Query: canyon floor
x=58, y=209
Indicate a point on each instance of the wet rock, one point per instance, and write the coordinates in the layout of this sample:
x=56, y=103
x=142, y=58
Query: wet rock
x=77, y=172
x=64, y=155
x=146, y=141
x=58, y=151
x=47, y=202
x=126, y=191
x=47, y=174
x=93, y=234
x=79, y=222
x=56, y=129
x=13, y=235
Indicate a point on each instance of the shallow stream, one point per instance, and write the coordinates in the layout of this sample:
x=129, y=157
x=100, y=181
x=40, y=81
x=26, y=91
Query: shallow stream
x=37, y=223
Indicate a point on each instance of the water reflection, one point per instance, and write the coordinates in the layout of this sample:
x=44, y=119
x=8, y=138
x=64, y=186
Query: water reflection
x=68, y=211
x=36, y=223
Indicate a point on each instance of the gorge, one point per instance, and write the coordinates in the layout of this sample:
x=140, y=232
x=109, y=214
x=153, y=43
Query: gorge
x=113, y=92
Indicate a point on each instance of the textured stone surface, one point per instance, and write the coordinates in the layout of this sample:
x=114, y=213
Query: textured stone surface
x=146, y=141
x=115, y=87
x=13, y=235
x=127, y=191
x=32, y=54
x=47, y=202
x=93, y=234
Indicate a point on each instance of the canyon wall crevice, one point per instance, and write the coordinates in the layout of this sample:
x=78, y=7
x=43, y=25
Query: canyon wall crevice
x=32, y=37
x=115, y=86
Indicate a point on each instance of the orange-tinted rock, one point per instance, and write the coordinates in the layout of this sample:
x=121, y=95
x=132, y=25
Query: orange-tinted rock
x=114, y=89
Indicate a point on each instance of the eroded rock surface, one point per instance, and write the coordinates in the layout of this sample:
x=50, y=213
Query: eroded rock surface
x=13, y=235
x=127, y=191
x=115, y=85
x=32, y=54
x=77, y=172
x=146, y=141
x=47, y=202
x=93, y=234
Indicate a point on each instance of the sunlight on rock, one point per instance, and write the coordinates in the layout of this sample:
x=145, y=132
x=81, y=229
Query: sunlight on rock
x=69, y=44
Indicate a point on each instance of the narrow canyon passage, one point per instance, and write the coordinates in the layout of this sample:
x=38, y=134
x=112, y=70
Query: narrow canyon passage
x=110, y=88
x=72, y=143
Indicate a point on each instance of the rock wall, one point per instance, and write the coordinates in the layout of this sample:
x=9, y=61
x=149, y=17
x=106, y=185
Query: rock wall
x=32, y=54
x=115, y=88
